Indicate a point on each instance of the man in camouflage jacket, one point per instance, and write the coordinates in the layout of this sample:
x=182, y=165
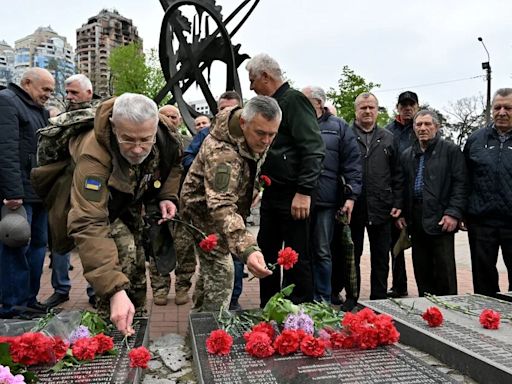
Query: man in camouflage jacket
x=131, y=158
x=217, y=193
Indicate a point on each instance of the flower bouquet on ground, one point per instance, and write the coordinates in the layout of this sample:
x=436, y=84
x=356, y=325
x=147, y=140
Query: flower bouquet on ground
x=284, y=328
x=56, y=342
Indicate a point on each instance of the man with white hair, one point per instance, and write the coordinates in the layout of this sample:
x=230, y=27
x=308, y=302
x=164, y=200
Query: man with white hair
x=22, y=113
x=130, y=159
x=293, y=164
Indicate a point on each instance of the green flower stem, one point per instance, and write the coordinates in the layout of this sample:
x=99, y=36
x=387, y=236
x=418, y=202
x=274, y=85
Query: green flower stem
x=190, y=226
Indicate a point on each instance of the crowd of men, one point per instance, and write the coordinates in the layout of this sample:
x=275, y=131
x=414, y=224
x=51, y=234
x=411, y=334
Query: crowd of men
x=127, y=170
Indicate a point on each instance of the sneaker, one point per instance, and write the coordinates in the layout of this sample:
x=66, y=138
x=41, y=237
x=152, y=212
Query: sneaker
x=56, y=299
x=160, y=300
x=181, y=297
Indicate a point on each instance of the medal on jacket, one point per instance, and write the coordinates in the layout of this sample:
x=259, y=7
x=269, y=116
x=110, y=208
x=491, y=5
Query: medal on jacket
x=157, y=184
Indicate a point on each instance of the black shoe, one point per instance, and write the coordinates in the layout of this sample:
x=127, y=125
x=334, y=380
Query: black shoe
x=336, y=300
x=56, y=299
x=38, y=307
x=396, y=294
x=235, y=306
x=349, y=304
x=92, y=301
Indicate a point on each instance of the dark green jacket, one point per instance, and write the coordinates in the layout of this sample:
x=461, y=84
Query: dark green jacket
x=295, y=157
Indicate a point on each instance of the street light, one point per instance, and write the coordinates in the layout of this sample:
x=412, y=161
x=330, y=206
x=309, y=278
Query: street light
x=487, y=66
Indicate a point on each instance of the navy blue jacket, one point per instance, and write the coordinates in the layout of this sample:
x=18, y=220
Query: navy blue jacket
x=403, y=134
x=192, y=150
x=342, y=164
x=489, y=163
x=20, y=118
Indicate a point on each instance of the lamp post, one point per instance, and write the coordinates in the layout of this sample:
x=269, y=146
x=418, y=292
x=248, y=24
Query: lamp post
x=487, y=66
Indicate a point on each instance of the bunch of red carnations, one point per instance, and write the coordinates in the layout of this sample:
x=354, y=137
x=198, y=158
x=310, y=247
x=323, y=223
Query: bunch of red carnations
x=364, y=330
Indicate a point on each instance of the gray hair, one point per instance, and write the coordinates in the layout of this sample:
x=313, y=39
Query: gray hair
x=33, y=74
x=503, y=92
x=264, y=63
x=266, y=106
x=365, y=95
x=135, y=108
x=317, y=93
x=85, y=83
x=428, y=112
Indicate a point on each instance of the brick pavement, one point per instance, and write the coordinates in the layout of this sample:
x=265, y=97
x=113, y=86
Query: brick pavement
x=174, y=319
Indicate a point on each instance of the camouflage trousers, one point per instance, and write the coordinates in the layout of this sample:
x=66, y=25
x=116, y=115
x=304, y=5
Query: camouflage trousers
x=215, y=283
x=133, y=264
x=184, y=242
x=159, y=284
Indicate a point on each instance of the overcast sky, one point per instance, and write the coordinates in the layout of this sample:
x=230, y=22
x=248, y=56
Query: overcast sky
x=429, y=47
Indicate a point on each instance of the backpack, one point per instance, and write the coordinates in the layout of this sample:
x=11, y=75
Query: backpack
x=53, y=176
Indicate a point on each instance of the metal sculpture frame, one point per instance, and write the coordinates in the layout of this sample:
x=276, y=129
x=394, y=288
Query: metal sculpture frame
x=184, y=66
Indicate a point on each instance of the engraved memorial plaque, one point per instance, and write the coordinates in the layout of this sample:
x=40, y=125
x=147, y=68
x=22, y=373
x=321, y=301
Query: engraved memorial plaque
x=388, y=364
x=105, y=369
x=460, y=342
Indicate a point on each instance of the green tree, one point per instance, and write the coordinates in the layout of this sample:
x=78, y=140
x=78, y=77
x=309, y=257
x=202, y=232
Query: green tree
x=350, y=85
x=133, y=71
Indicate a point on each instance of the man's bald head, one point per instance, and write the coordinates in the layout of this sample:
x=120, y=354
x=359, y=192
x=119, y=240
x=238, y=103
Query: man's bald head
x=172, y=113
x=39, y=84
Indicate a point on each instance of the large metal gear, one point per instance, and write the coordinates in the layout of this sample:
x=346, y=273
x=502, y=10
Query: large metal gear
x=186, y=50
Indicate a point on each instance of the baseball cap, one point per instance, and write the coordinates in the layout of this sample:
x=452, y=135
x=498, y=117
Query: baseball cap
x=407, y=96
x=14, y=227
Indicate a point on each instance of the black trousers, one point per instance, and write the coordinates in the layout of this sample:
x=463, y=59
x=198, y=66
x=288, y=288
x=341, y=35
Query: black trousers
x=277, y=227
x=380, y=239
x=433, y=258
x=484, y=243
x=398, y=264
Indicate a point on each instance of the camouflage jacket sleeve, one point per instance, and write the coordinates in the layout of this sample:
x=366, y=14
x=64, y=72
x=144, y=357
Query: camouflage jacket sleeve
x=224, y=186
x=171, y=186
x=89, y=225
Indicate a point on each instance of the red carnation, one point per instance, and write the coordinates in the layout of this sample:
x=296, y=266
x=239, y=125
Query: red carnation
x=219, y=342
x=341, y=340
x=265, y=328
x=287, y=258
x=139, y=357
x=311, y=346
x=386, y=329
x=32, y=348
x=208, y=243
x=105, y=343
x=287, y=342
x=60, y=347
x=433, y=317
x=490, y=319
x=258, y=344
x=265, y=181
x=85, y=349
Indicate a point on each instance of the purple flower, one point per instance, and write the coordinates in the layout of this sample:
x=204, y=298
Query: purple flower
x=300, y=321
x=6, y=377
x=80, y=333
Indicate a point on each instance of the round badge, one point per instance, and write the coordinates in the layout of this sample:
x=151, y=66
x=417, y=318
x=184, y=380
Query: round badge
x=157, y=184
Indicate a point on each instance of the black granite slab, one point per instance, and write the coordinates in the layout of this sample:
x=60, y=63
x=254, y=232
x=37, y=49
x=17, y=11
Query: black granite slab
x=507, y=296
x=107, y=369
x=388, y=364
x=461, y=342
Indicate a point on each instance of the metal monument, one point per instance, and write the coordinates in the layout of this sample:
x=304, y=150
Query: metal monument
x=187, y=48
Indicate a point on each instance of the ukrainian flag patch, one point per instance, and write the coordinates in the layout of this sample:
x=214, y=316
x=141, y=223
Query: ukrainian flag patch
x=92, y=184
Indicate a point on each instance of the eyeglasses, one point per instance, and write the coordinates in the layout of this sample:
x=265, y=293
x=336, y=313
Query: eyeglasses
x=137, y=143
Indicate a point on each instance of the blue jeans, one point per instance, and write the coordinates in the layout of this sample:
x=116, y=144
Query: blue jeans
x=322, y=224
x=238, y=280
x=61, y=282
x=21, y=268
